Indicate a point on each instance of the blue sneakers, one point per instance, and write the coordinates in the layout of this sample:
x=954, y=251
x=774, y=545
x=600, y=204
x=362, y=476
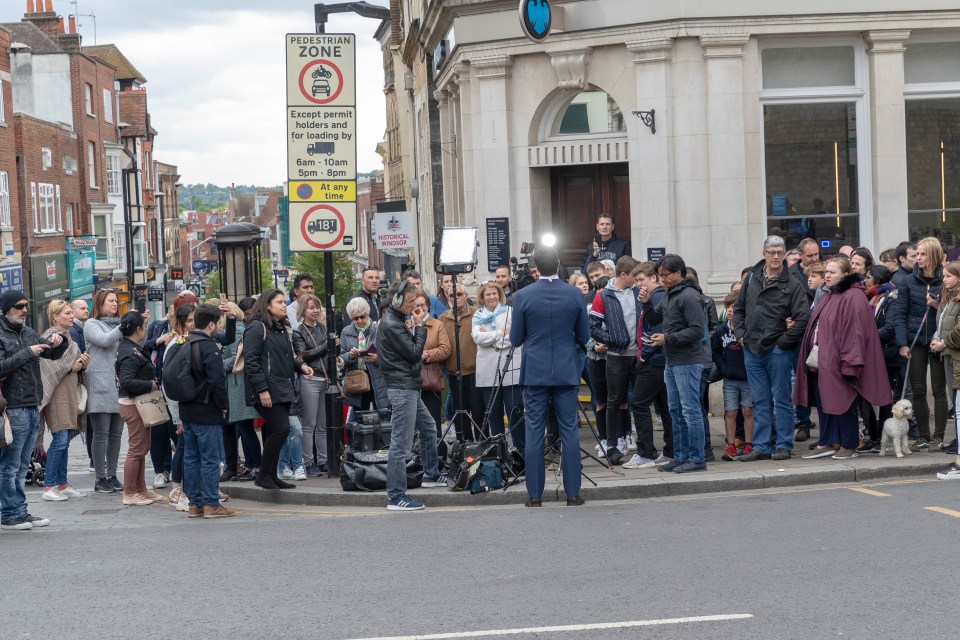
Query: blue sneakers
x=404, y=503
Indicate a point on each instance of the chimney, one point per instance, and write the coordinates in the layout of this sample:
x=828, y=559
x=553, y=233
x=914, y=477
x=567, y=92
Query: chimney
x=73, y=25
x=60, y=24
x=70, y=40
x=49, y=6
x=46, y=21
x=29, y=7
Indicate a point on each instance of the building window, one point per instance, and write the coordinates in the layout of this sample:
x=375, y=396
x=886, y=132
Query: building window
x=92, y=163
x=101, y=224
x=589, y=112
x=3, y=117
x=933, y=169
x=88, y=98
x=46, y=207
x=107, y=105
x=813, y=104
x=5, y=220
x=114, y=175
x=69, y=220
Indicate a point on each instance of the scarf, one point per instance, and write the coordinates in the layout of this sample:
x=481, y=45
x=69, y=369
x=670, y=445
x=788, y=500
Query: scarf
x=484, y=316
x=874, y=293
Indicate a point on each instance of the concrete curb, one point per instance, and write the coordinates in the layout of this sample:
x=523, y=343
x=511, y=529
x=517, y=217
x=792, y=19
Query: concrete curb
x=660, y=486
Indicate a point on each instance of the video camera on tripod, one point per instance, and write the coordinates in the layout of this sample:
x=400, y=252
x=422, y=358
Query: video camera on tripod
x=521, y=275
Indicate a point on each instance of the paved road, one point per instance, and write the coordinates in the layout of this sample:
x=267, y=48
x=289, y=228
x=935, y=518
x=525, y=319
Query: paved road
x=852, y=561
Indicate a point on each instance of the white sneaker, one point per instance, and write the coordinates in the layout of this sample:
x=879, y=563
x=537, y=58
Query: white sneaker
x=183, y=504
x=286, y=474
x=175, y=496
x=300, y=473
x=622, y=446
x=597, y=447
x=160, y=481
x=639, y=462
x=631, y=442
x=53, y=495
x=662, y=459
x=71, y=492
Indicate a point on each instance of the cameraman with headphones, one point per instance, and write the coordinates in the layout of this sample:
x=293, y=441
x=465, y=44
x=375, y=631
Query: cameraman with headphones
x=400, y=341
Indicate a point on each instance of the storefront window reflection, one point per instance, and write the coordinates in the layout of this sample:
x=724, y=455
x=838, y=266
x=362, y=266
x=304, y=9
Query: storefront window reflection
x=587, y=113
x=933, y=169
x=810, y=153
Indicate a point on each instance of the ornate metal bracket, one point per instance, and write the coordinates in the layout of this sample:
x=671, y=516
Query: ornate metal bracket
x=648, y=118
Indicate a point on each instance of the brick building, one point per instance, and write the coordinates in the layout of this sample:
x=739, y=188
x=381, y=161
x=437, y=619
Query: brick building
x=11, y=270
x=169, y=214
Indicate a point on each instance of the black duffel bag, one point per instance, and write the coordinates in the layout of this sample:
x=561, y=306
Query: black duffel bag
x=367, y=471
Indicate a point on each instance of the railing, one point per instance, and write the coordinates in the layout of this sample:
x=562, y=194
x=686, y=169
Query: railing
x=574, y=152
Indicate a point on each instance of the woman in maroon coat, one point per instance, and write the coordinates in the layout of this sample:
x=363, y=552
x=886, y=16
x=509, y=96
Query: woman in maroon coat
x=850, y=362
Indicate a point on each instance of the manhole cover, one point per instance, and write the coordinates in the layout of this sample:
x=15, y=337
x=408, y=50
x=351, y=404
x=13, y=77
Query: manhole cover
x=99, y=512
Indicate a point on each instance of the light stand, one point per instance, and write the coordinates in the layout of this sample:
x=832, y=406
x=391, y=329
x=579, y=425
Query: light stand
x=456, y=253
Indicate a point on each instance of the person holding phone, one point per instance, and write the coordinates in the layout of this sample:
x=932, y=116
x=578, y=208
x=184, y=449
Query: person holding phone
x=918, y=298
x=606, y=245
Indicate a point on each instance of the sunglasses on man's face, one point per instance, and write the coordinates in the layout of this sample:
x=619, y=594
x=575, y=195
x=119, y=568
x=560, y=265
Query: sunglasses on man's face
x=21, y=306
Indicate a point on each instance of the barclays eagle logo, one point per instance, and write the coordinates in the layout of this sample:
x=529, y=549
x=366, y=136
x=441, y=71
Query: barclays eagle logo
x=538, y=16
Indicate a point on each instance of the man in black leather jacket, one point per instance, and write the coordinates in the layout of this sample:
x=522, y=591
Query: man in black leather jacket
x=401, y=356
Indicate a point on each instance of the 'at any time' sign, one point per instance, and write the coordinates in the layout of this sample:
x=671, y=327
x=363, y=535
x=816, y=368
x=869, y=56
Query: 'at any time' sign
x=321, y=141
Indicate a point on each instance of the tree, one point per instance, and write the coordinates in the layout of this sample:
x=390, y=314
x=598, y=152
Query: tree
x=312, y=263
x=266, y=280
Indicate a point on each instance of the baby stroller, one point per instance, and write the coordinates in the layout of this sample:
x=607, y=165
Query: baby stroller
x=38, y=466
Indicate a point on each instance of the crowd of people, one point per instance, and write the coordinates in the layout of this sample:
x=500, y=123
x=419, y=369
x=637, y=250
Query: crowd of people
x=848, y=335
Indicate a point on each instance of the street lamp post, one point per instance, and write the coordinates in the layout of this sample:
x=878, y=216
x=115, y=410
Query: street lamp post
x=333, y=407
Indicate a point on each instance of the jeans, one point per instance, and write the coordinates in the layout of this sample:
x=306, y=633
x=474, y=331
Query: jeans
x=138, y=444
x=56, y=472
x=409, y=414
x=161, y=454
x=705, y=407
x=107, y=432
x=771, y=373
x=619, y=379
x=201, y=463
x=648, y=386
x=314, y=439
x=536, y=400
x=509, y=401
x=15, y=460
x=291, y=455
x=683, y=396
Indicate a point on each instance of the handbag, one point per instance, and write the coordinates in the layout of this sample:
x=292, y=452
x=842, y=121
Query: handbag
x=7, y=438
x=238, y=360
x=813, y=356
x=82, y=395
x=152, y=408
x=431, y=378
x=356, y=382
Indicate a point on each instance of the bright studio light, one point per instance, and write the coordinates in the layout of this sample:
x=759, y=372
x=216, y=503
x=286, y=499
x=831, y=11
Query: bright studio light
x=548, y=240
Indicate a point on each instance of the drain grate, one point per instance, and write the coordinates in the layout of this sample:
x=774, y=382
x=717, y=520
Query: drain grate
x=100, y=512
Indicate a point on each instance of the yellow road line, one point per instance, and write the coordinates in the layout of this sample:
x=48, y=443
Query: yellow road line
x=947, y=512
x=870, y=492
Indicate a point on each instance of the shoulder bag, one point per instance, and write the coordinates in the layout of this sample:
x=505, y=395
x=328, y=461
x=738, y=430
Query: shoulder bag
x=238, y=361
x=152, y=408
x=431, y=378
x=81, y=394
x=813, y=356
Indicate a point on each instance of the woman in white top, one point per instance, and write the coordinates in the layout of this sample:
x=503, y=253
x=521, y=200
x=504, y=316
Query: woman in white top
x=491, y=331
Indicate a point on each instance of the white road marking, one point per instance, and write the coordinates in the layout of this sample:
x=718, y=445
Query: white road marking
x=566, y=628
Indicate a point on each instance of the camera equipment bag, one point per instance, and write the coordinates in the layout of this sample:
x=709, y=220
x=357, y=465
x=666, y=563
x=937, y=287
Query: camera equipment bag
x=367, y=471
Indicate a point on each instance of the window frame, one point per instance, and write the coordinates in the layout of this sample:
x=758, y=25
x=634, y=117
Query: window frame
x=114, y=175
x=3, y=116
x=88, y=98
x=108, y=106
x=6, y=215
x=858, y=93
x=46, y=207
x=92, y=164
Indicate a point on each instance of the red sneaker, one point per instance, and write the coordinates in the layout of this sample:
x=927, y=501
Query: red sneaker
x=747, y=448
x=729, y=453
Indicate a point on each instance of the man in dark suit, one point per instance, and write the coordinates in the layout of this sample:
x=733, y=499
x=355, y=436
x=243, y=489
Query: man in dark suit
x=550, y=321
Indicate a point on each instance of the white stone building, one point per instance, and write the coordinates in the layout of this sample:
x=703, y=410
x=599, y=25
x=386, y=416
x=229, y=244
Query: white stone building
x=817, y=117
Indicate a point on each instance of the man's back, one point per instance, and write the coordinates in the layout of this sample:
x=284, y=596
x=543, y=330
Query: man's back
x=549, y=319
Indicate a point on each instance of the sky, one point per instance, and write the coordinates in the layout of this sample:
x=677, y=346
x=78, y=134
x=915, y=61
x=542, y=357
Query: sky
x=215, y=73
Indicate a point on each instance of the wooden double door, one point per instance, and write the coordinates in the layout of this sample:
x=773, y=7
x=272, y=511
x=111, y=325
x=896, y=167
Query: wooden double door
x=579, y=195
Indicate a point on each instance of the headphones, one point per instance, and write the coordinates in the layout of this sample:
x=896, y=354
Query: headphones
x=397, y=301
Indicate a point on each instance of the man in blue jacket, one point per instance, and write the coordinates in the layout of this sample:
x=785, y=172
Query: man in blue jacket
x=550, y=323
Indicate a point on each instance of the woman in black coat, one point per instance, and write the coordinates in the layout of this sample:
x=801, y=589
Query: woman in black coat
x=135, y=376
x=270, y=369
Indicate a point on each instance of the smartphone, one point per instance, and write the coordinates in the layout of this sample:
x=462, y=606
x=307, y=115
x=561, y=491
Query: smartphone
x=223, y=298
x=141, y=304
x=597, y=239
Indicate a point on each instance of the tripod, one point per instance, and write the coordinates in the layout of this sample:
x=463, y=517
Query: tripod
x=458, y=400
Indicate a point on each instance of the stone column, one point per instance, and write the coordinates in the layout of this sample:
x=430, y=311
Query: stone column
x=441, y=96
x=888, y=139
x=491, y=161
x=466, y=120
x=652, y=214
x=726, y=155
x=456, y=149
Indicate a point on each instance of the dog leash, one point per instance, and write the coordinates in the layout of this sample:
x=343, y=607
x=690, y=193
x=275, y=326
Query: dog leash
x=906, y=377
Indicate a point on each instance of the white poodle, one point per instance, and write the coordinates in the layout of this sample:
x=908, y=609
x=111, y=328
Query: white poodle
x=895, y=429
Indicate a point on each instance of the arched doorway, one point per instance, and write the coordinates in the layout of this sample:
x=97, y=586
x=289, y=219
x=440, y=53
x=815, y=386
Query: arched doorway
x=583, y=145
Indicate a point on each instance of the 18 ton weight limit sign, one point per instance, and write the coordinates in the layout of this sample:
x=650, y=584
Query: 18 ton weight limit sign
x=321, y=141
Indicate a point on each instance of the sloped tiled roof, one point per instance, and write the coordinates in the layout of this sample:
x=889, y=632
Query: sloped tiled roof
x=32, y=36
x=111, y=55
